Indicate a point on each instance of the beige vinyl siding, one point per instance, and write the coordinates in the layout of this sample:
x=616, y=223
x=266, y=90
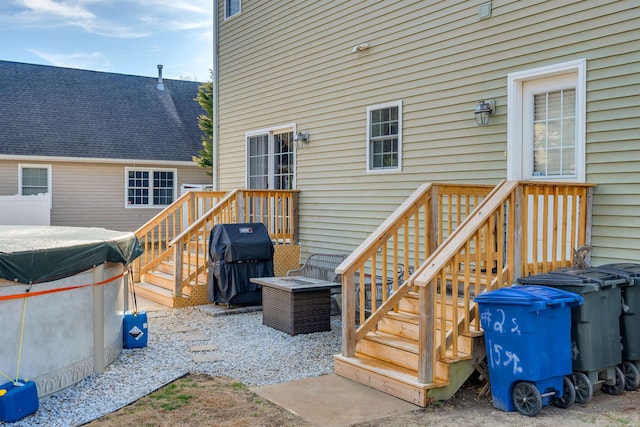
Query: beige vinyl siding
x=93, y=194
x=8, y=178
x=293, y=64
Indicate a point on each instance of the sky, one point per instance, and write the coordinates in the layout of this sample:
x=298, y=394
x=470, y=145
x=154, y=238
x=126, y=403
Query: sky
x=117, y=36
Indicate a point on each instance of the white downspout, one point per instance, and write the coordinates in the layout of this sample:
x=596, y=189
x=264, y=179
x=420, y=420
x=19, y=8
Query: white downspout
x=215, y=98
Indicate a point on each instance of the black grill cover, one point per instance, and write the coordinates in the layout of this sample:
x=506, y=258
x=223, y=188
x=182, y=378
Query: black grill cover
x=238, y=252
x=240, y=242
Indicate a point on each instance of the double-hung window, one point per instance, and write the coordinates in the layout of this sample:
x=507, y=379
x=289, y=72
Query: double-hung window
x=150, y=187
x=34, y=179
x=231, y=8
x=384, y=137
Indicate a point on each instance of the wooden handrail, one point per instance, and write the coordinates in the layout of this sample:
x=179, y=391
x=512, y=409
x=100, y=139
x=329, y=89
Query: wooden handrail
x=487, y=248
x=382, y=233
x=200, y=221
x=154, y=236
x=397, y=247
x=276, y=209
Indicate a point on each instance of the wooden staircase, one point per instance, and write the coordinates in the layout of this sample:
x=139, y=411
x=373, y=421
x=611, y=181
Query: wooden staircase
x=421, y=338
x=387, y=358
x=158, y=284
x=173, y=270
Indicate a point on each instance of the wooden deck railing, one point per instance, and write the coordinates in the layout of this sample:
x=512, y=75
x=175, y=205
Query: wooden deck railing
x=516, y=229
x=396, y=248
x=156, y=234
x=276, y=209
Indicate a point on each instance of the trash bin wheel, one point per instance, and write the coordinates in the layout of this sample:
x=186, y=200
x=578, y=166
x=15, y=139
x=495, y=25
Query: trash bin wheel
x=568, y=395
x=526, y=398
x=583, y=387
x=631, y=375
x=618, y=387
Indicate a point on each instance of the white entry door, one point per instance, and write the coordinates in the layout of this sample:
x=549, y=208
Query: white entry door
x=546, y=139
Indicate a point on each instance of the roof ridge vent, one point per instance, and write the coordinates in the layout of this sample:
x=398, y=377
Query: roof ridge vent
x=160, y=84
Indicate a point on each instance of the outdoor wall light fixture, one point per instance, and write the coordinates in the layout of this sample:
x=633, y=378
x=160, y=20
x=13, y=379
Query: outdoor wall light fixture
x=360, y=47
x=301, y=138
x=483, y=110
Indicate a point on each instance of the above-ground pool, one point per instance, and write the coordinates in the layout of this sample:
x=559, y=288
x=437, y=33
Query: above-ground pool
x=63, y=293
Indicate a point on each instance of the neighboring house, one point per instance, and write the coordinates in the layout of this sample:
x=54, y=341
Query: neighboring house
x=110, y=150
x=387, y=92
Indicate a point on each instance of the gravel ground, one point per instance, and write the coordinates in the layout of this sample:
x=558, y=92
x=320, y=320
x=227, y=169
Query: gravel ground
x=249, y=352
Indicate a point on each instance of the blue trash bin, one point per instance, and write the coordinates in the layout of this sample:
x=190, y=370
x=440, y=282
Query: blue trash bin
x=528, y=341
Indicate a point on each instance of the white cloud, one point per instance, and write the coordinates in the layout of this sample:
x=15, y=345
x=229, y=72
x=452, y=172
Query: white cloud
x=81, y=60
x=112, y=18
x=62, y=9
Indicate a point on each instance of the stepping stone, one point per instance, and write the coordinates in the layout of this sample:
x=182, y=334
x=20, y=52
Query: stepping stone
x=206, y=357
x=203, y=347
x=181, y=328
x=193, y=337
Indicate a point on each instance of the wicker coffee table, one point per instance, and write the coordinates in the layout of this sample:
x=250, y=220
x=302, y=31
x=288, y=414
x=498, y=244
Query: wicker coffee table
x=295, y=304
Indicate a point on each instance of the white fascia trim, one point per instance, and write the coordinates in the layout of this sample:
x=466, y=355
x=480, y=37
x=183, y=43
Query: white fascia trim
x=514, y=105
x=96, y=160
x=270, y=129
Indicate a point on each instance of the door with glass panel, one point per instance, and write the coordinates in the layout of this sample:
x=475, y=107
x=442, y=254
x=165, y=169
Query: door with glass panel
x=551, y=153
x=270, y=165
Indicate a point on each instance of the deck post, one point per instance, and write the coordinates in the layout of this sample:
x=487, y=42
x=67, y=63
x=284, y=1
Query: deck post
x=518, y=250
x=426, y=348
x=348, y=314
x=294, y=218
x=178, y=253
x=588, y=222
x=433, y=226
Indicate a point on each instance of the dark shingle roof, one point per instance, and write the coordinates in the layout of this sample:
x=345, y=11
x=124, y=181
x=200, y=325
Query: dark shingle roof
x=64, y=112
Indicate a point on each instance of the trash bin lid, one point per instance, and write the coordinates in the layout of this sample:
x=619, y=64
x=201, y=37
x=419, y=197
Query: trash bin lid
x=580, y=280
x=536, y=297
x=627, y=270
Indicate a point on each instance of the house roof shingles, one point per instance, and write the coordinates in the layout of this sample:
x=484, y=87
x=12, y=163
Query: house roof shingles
x=65, y=112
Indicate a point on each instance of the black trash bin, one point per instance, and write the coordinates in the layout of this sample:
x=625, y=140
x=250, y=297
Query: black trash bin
x=238, y=252
x=595, y=328
x=629, y=320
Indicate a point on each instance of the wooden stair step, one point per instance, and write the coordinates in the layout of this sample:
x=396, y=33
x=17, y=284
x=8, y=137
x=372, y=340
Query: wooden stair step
x=386, y=377
x=160, y=295
x=159, y=278
x=155, y=293
x=403, y=351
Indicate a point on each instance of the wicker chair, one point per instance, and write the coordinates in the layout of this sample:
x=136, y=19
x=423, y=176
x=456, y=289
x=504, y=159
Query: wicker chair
x=323, y=267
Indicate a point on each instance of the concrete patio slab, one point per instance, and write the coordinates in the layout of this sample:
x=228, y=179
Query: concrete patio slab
x=333, y=401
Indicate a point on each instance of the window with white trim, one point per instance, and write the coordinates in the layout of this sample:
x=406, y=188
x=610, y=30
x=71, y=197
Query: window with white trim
x=34, y=179
x=384, y=137
x=547, y=122
x=232, y=7
x=150, y=187
x=270, y=161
